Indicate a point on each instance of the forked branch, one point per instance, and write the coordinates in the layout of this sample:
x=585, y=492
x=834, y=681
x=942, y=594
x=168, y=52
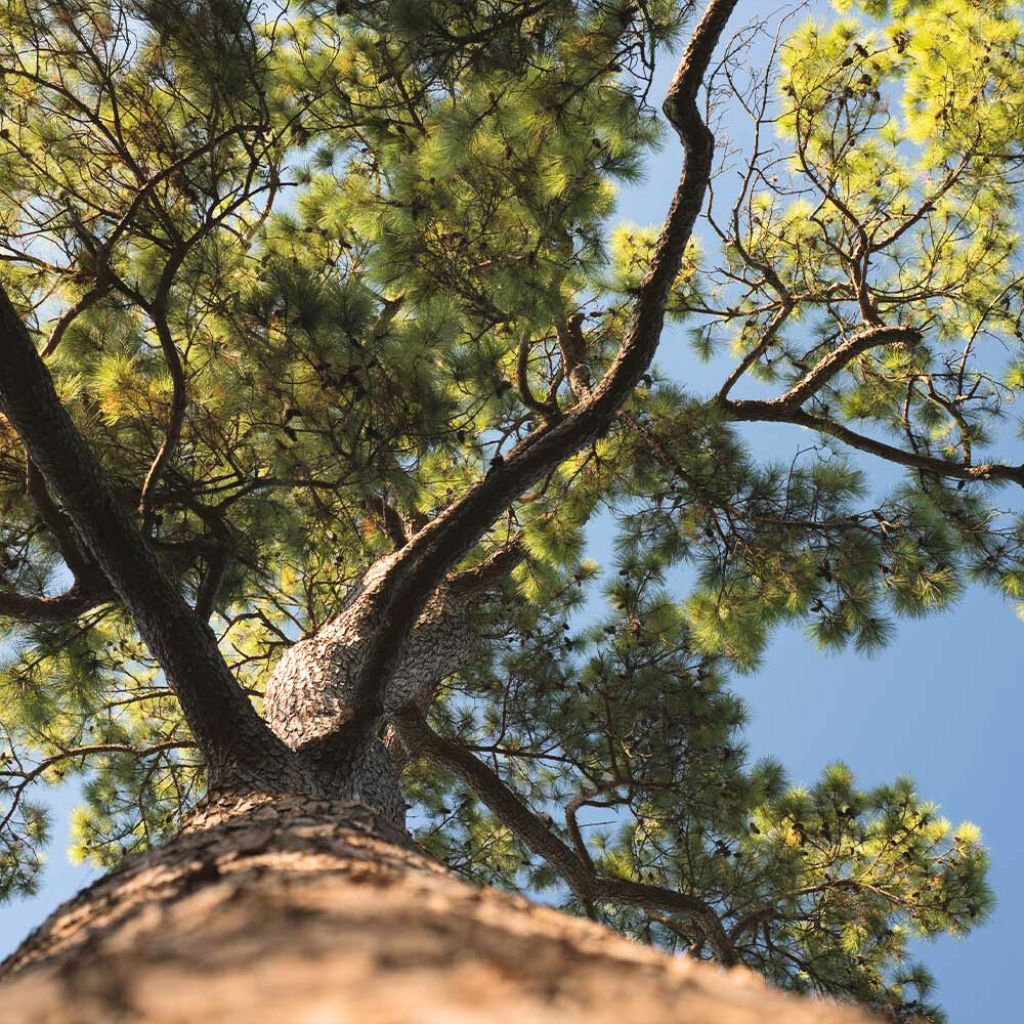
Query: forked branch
x=422, y=564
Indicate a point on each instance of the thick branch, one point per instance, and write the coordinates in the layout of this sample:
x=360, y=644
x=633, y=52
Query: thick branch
x=421, y=566
x=393, y=525
x=240, y=751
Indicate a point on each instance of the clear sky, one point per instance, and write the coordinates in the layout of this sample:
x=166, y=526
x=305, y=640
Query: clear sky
x=942, y=704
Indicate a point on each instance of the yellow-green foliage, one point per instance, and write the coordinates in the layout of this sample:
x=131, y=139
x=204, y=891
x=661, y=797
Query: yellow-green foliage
x=362, y=233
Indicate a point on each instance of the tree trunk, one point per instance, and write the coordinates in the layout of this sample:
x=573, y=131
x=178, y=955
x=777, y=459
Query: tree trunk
x=311, y=691
x=282, y=910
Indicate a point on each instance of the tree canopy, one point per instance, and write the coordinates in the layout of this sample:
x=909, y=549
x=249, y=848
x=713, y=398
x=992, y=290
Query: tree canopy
x=310, y=277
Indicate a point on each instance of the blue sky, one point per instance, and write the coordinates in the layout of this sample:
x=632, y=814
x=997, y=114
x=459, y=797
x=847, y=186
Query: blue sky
x=941, y=704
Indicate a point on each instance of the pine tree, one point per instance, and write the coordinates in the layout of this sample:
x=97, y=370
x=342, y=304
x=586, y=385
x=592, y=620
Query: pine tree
x=321, y=348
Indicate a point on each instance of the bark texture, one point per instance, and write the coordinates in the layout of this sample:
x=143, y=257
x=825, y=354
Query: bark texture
x=312, y=691
x=302, y=911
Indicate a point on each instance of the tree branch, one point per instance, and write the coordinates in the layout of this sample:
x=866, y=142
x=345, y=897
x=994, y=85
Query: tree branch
x=757, y=411
x=573, y=348
x=767, y=339
x=842, y=355
x=400, y=595
x=491, y=572
x=389, y=519
x=62, y=608
x=217, y=565
x=179, y=401
x=68, y=317
x=578, y=873
x=240, y=751
x=787, y=408
x=547, y=409
x=510, y=808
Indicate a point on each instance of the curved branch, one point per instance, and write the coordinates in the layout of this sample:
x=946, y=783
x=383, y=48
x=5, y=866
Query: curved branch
x=572, y=825
x=827, y=368
x=771, y=912
x=513, y=812
x=787, y=408
x=89, y=749
x=400, y=595
x=168, y=171
x=510, y=808
x=26, y=778
x=547, y=409
x=68, y=317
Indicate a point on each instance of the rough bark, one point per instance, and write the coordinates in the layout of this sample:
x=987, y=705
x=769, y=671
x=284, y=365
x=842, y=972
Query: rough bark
x=304, y=911
x=312, y=691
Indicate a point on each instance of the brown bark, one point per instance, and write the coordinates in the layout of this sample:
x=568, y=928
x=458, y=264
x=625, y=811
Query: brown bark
x=294, y=910
x=396, y=600
x=311, y=691
x=240, y=751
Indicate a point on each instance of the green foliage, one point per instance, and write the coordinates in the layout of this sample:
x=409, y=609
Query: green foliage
x=636, y=741
x=362, y=230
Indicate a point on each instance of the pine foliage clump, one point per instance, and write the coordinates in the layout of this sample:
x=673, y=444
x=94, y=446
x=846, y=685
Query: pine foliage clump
x=306, y=274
